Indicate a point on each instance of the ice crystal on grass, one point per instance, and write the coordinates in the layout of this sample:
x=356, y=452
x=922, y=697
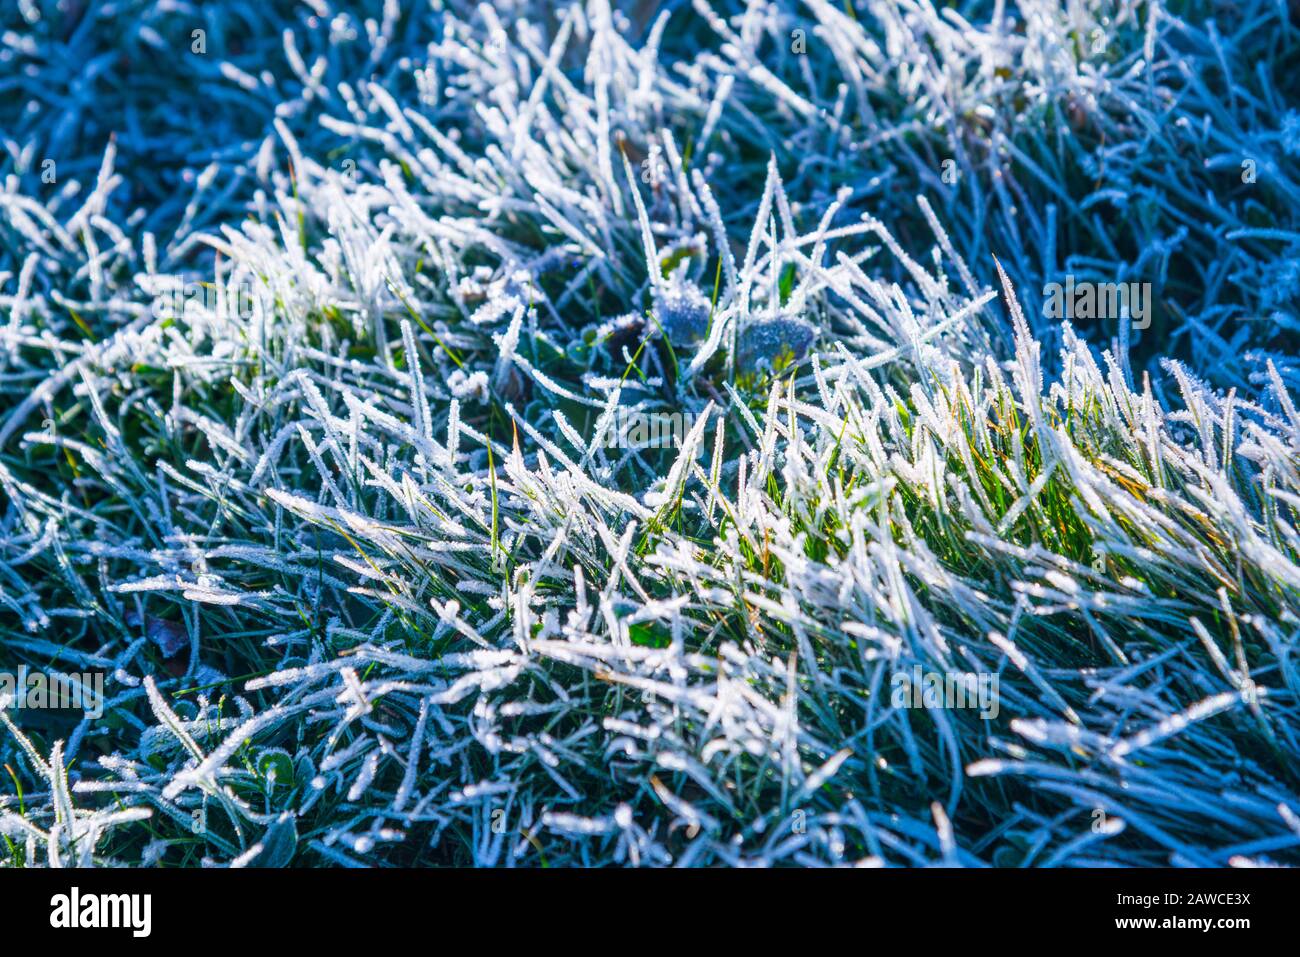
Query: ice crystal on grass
x=322, y=341
x=773, y=344
x=682, y=311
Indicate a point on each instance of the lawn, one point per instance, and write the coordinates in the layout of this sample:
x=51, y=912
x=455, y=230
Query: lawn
x=533, y=434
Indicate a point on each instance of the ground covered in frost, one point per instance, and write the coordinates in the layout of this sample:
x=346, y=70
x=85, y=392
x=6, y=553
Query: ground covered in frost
x=328, y=334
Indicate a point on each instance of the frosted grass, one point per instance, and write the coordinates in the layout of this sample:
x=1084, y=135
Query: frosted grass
x=372, y=587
